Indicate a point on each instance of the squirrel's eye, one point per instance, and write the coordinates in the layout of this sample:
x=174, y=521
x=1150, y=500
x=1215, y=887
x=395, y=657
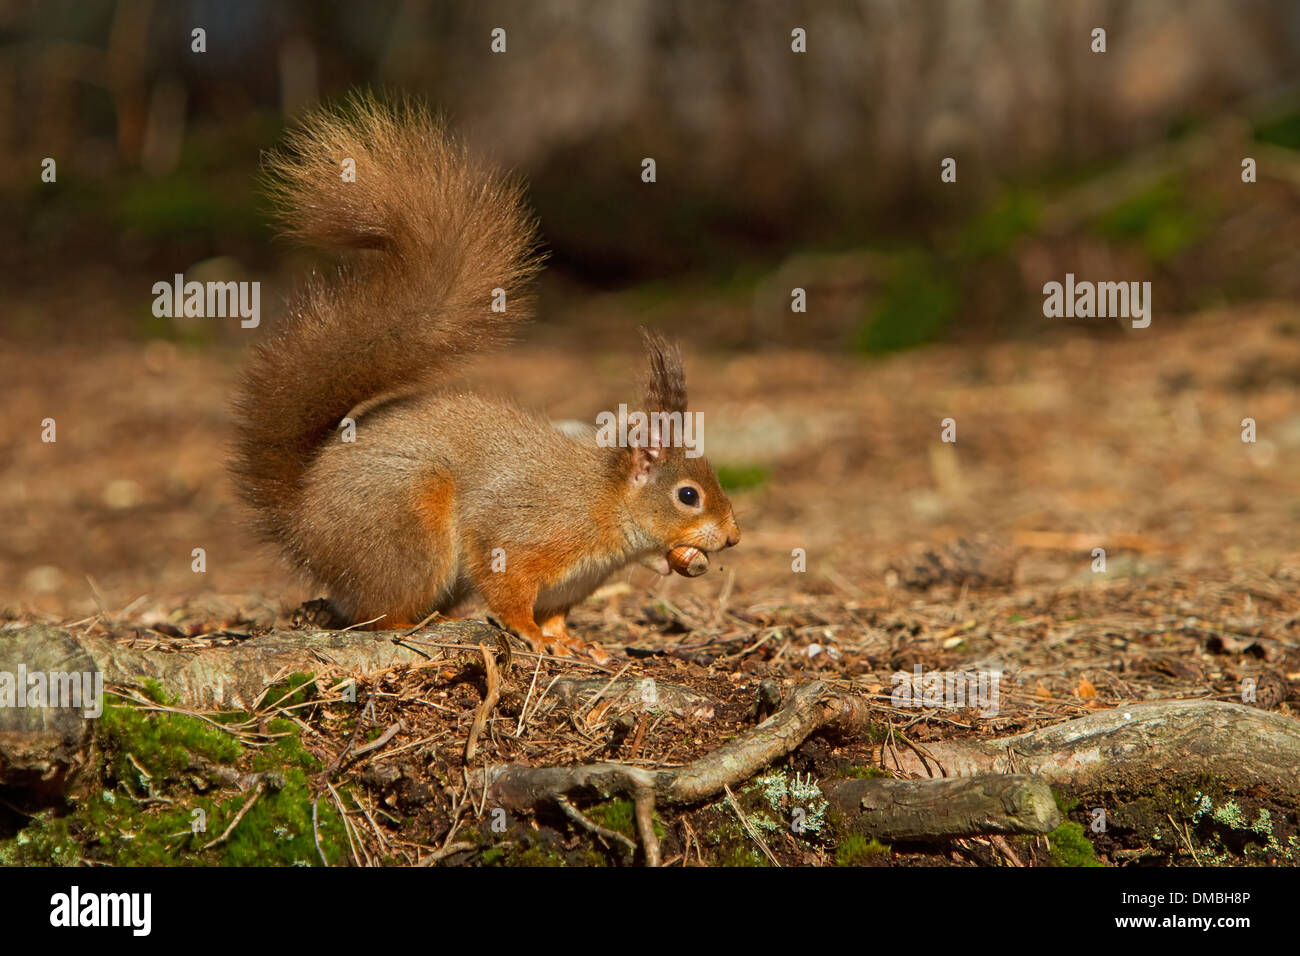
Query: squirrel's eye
x=688, y=496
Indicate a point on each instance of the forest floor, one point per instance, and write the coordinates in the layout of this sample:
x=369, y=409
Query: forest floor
x=870, y=547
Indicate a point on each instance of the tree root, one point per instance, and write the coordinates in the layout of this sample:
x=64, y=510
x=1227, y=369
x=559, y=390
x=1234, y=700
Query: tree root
x=1134, y=745
x=44, y=748
x=897, y=810
x=994, y=791
x=229, y=678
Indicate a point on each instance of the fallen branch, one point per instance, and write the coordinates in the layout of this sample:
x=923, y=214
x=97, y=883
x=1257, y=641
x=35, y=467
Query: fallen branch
x=959, y=806
x=1133, y=746
x=810, y=708
x=43, y=748
x=233, y=677
x=1140, y=744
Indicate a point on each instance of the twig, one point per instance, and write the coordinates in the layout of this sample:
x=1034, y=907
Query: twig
x=591, y=704
x=347, y=826
x=590, y=826
x=523, y=711
x=489, y=702
x=379, y=741
x=1186, y=838
x=248, y=805
x=645, y=825
x=749, y=827
x=353, y=627
x=446, y=851
x=315, y=830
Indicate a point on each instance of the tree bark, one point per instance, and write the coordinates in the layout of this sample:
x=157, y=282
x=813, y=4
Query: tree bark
x=929, y=809
x=1133, y=746
x=43, y=748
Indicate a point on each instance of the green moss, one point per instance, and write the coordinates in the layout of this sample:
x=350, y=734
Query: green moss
x=278, y=830
x=860, y=772
x=1281, y=130
x=587, y=855
x=915, y=305
x=617, y=815
x=620, y=816
x=1070, y=847
x=1063, y=803
x=735, y=478
x=728, y=842
x=287, y=750
x=1164, y=219
x=1010, y=217
x=538, y=855
x=531, y=853
x=737, y=854
x=1069, y=844
x=164, y=744
x=858, y=850
x=293, y=691
x=155, y=691
x=157, y=807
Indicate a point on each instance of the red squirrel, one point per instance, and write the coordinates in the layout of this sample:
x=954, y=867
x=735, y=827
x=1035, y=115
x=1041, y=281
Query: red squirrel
x=443, y=494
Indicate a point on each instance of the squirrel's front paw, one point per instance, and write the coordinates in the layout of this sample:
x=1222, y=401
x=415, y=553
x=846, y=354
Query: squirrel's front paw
x=576, y=647
x=563, y=644
x=555, y=646
x=594, y=651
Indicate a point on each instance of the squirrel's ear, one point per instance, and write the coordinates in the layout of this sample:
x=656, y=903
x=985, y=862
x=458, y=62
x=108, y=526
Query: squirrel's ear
x=644, y=460
x=665, y=388
x=646, y=445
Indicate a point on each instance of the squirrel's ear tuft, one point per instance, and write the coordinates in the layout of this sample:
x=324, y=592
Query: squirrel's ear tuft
x=665, y=389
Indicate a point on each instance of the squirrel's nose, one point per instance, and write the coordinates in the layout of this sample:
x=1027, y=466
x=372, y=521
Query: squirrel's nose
x=733, y=535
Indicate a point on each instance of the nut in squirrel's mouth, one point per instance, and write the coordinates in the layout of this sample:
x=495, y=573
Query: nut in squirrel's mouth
x=688, y=560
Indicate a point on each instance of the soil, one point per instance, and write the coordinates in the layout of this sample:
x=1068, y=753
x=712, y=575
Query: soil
x=870, y=546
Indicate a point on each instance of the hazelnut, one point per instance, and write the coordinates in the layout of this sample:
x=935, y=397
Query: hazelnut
x=687, y=561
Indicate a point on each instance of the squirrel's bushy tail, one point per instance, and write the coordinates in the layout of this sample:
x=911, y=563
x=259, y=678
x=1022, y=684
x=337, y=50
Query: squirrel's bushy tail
x=445, y=232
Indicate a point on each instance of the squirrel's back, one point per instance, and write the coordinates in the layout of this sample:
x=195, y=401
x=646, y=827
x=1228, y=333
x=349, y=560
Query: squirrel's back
x=435, y=233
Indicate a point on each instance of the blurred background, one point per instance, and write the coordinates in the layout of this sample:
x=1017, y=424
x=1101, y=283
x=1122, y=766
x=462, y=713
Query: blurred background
x=776, y=170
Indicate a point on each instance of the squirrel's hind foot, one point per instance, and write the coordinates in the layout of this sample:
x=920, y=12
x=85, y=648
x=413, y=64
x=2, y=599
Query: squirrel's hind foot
x=319, y=614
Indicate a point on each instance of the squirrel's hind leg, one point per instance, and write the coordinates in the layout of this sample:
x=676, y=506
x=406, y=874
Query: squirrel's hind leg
x=388, y=566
